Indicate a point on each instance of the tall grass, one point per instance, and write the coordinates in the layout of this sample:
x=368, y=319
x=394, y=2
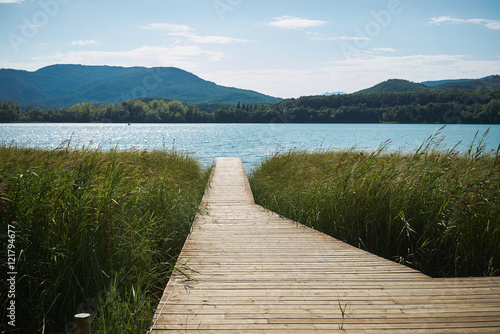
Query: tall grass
x=97, y=232
x=435, y=210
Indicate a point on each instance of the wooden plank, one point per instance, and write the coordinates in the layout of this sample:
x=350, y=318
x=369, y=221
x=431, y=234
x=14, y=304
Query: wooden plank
x=252, y=271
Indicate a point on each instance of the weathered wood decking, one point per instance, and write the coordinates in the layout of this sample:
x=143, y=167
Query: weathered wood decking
x=254, y=272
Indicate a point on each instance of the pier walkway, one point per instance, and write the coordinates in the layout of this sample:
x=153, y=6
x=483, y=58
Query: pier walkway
x=252, y=271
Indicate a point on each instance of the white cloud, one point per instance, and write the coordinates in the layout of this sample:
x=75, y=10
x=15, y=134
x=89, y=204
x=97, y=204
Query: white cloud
x=208, y=39
x=290, y=22
x=84, y=42
x=363, y=73
x=444, y=19
x=167, y=26
x=185, y=57
x=179, y=30
x=493, y=25
x=355, y=74
x=337, y=38
x=490, y=24
x=383, y=50
x=11, y=1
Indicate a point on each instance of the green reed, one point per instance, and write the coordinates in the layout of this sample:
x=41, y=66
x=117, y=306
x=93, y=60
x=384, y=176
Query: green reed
x=97, y=232
x=434, y=210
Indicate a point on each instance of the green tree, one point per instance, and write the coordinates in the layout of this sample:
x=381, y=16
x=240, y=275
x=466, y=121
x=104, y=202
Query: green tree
x=9, y=112
x=490, y=112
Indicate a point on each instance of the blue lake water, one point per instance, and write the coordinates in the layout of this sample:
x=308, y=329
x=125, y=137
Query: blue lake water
x=251, y=142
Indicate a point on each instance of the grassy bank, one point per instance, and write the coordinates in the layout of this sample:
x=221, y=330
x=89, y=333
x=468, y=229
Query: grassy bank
x=436, y=211
x=94, y=232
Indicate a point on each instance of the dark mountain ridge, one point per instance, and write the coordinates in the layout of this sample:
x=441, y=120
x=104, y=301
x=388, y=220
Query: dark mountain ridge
x=405, y=86
x=440, y=82
x=59, y=86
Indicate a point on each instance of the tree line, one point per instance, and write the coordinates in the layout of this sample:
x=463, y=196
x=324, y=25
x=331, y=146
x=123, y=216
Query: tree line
x=449, y=107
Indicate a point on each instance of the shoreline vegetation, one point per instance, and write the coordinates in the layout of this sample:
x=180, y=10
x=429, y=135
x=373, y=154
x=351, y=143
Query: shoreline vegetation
x=96, y=232
x=433, y=210
x=428, y=106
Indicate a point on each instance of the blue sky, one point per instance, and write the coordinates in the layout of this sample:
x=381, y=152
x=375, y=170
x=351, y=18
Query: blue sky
x=281, y=48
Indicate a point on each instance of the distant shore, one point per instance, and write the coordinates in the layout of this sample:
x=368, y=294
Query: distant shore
x=425, y=107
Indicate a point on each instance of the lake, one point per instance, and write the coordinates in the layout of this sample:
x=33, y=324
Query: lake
x=251, y=142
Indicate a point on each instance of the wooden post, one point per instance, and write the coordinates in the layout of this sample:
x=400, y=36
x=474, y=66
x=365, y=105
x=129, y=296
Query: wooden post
x=82, y=321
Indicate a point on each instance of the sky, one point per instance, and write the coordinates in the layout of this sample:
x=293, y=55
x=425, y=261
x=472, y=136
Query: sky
x=283, y=48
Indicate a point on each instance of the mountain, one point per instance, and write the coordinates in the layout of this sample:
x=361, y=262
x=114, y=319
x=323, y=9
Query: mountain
x=458, y=82
x=334, y=93
x=394, y=86
x=405, y=86
x=490, y=82
x=440, y=82
x=59, y=86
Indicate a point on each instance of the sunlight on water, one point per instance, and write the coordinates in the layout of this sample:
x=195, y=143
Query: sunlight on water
x=251, y=142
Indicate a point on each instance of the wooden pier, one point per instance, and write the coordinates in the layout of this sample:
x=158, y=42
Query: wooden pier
x=252, y=271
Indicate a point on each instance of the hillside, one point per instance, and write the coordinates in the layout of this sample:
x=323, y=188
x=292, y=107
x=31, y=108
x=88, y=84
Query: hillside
x=491, y=82
x=59, y=86
x=334, y=93
x=394, y=86
x=440, y=82
x=465, y=84
x=405, y=86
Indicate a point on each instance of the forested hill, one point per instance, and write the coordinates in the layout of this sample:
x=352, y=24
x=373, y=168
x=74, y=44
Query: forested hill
x=440, y=82
x=395, y=86
x=405, y=86
x=491, y=82
x=477, y=101
x=428, y=106
x=450, y=107
x=62, y=86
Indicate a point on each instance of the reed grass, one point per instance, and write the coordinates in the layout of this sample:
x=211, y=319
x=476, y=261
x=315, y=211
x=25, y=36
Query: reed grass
x=435, y=210
x=97, y=232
